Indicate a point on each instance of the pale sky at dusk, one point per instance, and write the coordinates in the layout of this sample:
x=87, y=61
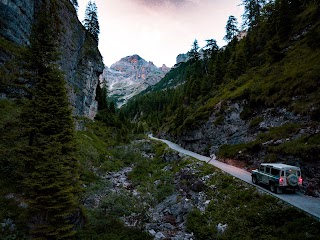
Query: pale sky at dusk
x=159, y=30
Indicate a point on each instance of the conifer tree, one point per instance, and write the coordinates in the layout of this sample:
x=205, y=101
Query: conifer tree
x=193, y=53
x=252, y=12
x=90, y=21
x=101, y=97
x=231, y=28
x=51, y=178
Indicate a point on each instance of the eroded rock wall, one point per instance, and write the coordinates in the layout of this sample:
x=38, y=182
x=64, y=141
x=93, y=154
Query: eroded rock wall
x=80, y=60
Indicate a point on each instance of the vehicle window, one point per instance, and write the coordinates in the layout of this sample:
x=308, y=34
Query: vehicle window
x=299, y=174
x=290, y=171
x=282, y=173
x=267, y=169
x=261, y=168
x=275, y=172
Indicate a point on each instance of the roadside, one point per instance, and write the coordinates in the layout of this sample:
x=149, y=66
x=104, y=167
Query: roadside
x=308, y=204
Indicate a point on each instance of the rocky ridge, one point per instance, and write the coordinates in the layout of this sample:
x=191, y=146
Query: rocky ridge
x=81, y=60
x=129, y=76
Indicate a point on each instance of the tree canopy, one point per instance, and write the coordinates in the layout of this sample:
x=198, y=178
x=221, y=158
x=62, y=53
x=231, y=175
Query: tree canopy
x=50, y=173
x=231, y=28
x=90, y=21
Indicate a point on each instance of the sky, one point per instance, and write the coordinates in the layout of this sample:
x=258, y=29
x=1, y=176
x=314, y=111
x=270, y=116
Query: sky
x=159, y=30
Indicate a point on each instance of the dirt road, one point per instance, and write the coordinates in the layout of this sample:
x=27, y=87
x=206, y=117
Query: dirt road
x=308, y=204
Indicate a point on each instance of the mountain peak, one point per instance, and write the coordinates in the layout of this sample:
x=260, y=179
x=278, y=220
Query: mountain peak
x=133, y=58
x=131, y=75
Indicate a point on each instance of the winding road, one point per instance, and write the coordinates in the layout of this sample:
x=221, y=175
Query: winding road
x=308, y=204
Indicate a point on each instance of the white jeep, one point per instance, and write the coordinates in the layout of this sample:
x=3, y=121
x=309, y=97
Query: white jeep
x=277, y=176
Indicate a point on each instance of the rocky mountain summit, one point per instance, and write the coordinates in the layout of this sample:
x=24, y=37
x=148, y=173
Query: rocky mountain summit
x=129, y=76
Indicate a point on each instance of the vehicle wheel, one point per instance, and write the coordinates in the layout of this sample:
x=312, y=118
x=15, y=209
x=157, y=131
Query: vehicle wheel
x=278, y=190
x=272, y=187
x=254, y=180
x=293, y=180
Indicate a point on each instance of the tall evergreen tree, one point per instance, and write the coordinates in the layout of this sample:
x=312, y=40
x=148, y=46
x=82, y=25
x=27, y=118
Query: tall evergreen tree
x=51, y=177
x=252, y=12
x=231, y=28
x=90, y=21
x=193, y=53
x=101, y=97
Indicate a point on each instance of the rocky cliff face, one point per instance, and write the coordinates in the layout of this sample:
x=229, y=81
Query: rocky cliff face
x=182, y=58
x=81, y=60
x=16, y=20
x=130, y=76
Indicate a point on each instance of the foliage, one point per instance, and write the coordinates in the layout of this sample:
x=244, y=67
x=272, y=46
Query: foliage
x=50, y=169
x=90, y=20
x=105, y=227
x=248, y=213
x=231, y=28
x=193, y=53
x=264, y=69
x=306, y=146
x=252, y=12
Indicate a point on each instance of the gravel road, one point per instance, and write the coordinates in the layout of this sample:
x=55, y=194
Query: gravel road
x=308, y=204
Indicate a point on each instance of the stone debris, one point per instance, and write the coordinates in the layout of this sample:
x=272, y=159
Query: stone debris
x=221, y=228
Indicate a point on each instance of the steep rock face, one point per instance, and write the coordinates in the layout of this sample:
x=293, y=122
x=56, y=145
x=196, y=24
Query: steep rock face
x=81, y=60
x=16, y=20
x=130, y=76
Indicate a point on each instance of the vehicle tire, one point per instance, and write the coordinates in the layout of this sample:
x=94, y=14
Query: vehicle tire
x=272, y=187
x=254, y=180
x=293, y=180
x=278, y=190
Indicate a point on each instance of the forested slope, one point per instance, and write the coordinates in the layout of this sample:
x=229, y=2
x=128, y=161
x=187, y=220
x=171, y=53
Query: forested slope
x=256, y=99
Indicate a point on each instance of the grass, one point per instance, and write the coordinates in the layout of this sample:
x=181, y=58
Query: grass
x=248, y=213
x=9, y=183
x=305, y=146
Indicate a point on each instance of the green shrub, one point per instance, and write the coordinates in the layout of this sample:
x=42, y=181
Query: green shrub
x=255, y=122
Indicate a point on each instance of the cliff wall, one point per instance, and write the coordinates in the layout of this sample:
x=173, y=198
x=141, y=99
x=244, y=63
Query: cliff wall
x=80, y=60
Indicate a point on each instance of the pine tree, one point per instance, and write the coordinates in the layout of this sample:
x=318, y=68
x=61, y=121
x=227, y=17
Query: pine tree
x=101, y=97
x=252, y=12
x=231, y=28
x=90, y=21
x=51, y=177
x=193, y=53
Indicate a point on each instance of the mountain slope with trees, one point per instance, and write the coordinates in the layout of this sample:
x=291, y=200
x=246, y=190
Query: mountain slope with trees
x=256, y=99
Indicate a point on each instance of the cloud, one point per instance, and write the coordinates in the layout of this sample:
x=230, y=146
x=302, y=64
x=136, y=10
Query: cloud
x=166, y=4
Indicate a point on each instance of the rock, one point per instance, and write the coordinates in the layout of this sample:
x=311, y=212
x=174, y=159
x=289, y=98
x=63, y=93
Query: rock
x=198, y=186
x=8, y=224
x=168, y=226
x=221, y=228
x=167, y=168
x=182, y=58
x=157, y=182
x=81, y=69
x=152, y=232
x=159, y=235
x=129, y=76
x=171, y=157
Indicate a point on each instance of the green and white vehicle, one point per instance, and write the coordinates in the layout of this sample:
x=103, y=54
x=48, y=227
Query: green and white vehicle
x=278, y=176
